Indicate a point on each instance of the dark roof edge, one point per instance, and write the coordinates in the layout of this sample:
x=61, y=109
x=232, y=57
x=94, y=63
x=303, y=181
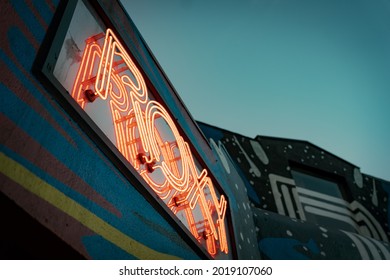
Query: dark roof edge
x=222, y=129
x=307, y=143
x=259, y=137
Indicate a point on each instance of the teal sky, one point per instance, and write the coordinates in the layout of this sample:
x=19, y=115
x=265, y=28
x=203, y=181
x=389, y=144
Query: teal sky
x=302, y=69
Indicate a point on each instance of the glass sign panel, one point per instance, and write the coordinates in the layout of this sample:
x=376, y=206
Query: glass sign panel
x=101, y=76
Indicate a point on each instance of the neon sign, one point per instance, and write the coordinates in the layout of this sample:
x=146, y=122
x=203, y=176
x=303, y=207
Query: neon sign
x=148, y=138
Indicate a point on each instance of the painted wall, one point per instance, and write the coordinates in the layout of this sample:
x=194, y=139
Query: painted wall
x=357, y=225
x=61, y=181
x=54, y=171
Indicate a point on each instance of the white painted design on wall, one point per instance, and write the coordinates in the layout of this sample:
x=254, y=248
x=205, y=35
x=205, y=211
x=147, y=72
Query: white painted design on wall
x=287, y=197
x=221, y=152
x=352, y=213
x=253, y=168
x=364, y=215
x=358, y=177
x=259, y=151
x=374, y=198
x=284, y=193
x=369, y=248
x=294, y=202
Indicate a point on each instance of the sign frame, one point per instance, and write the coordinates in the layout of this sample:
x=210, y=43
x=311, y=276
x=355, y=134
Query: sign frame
x=43, y=69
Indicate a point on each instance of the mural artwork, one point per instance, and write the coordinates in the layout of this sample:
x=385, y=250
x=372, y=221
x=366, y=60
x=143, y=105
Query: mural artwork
x=306, y=202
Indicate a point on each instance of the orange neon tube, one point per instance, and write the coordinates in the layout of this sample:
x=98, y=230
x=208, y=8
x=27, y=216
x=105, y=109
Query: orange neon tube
x=162, y=157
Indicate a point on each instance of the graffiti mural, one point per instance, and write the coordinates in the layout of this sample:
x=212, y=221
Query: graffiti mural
x=51, y=168
x=100, y=159
x=313, y=205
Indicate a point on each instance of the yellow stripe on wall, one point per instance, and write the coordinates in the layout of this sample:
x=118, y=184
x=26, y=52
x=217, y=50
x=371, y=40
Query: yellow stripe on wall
x=36, y=185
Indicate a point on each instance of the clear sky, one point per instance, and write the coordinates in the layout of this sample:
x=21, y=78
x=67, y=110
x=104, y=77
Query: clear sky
x=315, y=70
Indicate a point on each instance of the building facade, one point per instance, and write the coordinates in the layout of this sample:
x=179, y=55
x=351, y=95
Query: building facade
x=100, y=159
x=308, y=203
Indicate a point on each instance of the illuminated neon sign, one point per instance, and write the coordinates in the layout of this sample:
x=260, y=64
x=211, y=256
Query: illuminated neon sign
x=148, y=138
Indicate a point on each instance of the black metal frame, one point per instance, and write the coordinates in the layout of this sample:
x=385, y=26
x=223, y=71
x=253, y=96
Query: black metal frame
x=43, y=69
